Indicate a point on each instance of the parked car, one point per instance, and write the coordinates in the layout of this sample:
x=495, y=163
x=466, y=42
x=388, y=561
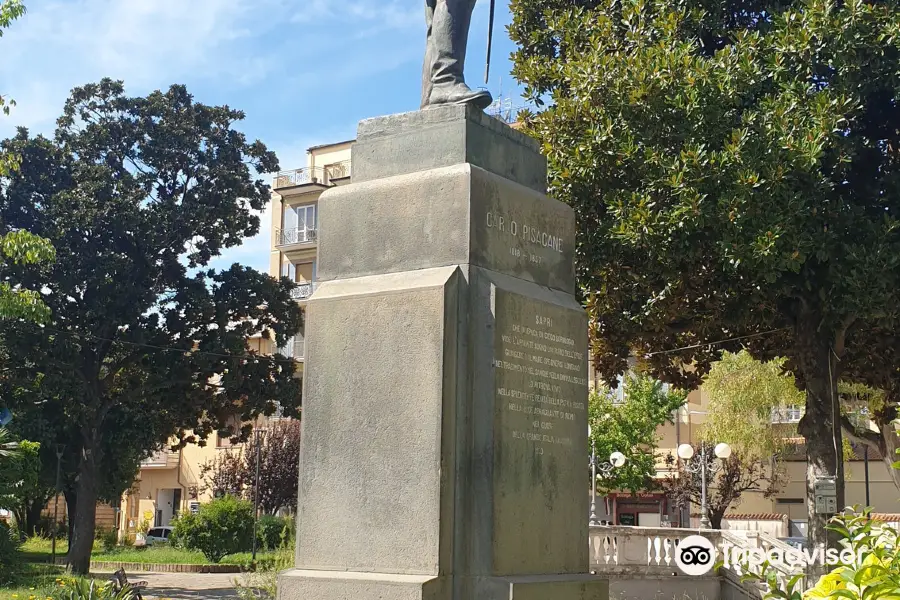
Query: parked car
x=158, y=534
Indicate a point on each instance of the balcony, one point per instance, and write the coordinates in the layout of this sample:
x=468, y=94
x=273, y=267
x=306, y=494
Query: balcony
x=295, y=348
x=303, y=290
x=310, y=179
x=164, y=459
x=335, y=172
x=294, y=236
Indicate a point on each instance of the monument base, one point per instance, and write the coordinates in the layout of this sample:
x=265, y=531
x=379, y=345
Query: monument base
x=301, y=584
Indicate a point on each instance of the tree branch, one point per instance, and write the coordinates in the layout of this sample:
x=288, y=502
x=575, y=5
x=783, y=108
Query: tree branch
x=869, y=438
x=840, y=337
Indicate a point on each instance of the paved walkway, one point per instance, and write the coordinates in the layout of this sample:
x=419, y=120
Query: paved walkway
x=188, y=586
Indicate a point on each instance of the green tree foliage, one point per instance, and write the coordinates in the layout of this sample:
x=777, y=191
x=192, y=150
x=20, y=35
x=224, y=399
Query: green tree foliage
x=22, y=491
x=734, y=171
x=10, y=10
x=872, y=574
x=8, y=447
x=145, y=341
x=19, y=247
x=10, y=559
x=742, y=395
x=631, y=428
x=865, y=407
x=23, y=249
x=222, y=527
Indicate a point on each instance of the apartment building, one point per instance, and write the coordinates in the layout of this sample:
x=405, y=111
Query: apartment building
x=295, y=201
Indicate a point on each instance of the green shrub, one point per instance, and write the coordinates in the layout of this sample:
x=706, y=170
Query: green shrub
x=274, y=532
x=10, y=559
x=108, y=538
x=223, y=526
x=874, y=573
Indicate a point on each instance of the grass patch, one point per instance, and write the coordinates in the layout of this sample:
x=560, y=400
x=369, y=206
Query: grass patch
x=38, y=549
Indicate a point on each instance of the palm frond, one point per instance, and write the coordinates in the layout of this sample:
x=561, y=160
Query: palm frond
x=7, y=446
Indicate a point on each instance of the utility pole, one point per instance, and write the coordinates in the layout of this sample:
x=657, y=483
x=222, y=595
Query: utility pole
x=256, y=496
x=866, y=459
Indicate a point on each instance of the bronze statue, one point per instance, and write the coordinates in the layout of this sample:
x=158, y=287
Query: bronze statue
x=445, y=55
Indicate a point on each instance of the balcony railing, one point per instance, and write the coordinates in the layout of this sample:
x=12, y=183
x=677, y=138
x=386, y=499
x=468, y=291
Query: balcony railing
x=304, y=176
x=313, y=175
x=164, y=459
x=303, y=290
x=295, y=235
x=338, y=170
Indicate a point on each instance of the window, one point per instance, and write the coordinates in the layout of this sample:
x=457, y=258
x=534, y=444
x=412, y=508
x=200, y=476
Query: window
x=299, y=224
x=787, y=414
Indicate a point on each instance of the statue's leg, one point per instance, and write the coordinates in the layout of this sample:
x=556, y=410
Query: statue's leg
x=429, y=52
x=448, y=37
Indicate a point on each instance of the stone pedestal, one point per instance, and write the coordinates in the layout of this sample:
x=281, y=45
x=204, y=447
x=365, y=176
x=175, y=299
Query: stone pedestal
x=444, y=450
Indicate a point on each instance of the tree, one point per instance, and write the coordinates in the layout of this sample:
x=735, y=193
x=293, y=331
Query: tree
x=21, y=489
x=631, y=428
x=743, y=394
x=145, y=342
x=234, y=473
x=866, y=407
x=279, y=467
x=224, y=475
x=734, y=477
x=733, y=169
x=10, y=10
x=18, y=246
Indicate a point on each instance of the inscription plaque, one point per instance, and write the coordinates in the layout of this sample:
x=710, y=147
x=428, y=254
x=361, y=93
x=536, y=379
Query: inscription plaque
x=540, y=412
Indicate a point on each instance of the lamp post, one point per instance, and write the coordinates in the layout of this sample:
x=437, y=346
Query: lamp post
x=59, y=455
x=686, y=453
x=616, y=460
x=258, y=435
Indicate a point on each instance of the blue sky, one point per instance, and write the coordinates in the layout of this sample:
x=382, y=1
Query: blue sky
x=304, y=71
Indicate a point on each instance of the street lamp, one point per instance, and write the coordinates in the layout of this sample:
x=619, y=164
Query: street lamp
x=59, y=454
x=616, y=460
x=259, y=434
x=686, y=453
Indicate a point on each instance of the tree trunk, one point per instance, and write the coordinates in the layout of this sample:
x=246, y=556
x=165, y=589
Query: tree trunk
x=715, y=518
x=33, y=512
x=820, y=426
x=891, y=446
x=82, y=541
x=71, y=512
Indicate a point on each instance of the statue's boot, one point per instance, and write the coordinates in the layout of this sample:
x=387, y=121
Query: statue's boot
x=448, y=30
